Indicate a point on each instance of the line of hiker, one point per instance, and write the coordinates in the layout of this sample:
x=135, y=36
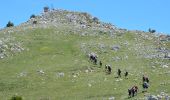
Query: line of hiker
x=108, y=69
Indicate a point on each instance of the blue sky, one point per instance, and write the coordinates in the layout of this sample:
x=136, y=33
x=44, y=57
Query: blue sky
x=129, y=14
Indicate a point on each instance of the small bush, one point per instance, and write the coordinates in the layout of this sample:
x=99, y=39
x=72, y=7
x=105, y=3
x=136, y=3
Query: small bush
x=16, y=98
x=10, y=24
x=32, y=16
x=95, y=19
x=151, y=30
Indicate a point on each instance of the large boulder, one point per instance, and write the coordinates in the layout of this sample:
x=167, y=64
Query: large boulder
x=152, y=97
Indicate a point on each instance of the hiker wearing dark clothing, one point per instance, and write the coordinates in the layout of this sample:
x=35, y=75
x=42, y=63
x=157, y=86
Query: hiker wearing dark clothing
x=109, y=69
x=100, y=64
x=119, y=73
x=126, y=74
x=145, y=86
x=106, y=68
x=95, y=61
x=145, y=79
x=133, y=91
x=93, y=58
x=129, y=92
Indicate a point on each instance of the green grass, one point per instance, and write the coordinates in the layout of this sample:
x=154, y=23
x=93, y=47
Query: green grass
x=53, y=51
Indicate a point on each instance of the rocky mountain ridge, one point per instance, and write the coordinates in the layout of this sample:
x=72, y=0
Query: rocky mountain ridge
x=84, y=24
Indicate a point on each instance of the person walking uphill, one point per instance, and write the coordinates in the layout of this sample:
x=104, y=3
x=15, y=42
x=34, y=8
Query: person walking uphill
x=126, y=74
x=119, y=73
x=108, y=69
x=133, y=91
x=145, y=79
x=145, y=84
x=100, y=63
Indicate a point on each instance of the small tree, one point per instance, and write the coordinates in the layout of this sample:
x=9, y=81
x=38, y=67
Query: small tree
x=95, y=19
x=151, y=30
x=9, y=24
x=32, y=16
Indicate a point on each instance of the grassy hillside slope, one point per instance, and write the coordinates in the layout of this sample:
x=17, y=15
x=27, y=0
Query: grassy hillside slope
x=54, y=65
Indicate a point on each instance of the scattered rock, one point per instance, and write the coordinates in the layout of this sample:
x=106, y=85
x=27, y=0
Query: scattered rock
x=60, y=74
x=89, y=70
x=89, y=85
x=111, y=98
x=115, y=47
x=165, y=66
x=41, y=72
x=22, y=74
x=118, y=80
x=161, y=96
x=126, y=43
x=152, y=97
x=153, y=67
x=86, y=71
